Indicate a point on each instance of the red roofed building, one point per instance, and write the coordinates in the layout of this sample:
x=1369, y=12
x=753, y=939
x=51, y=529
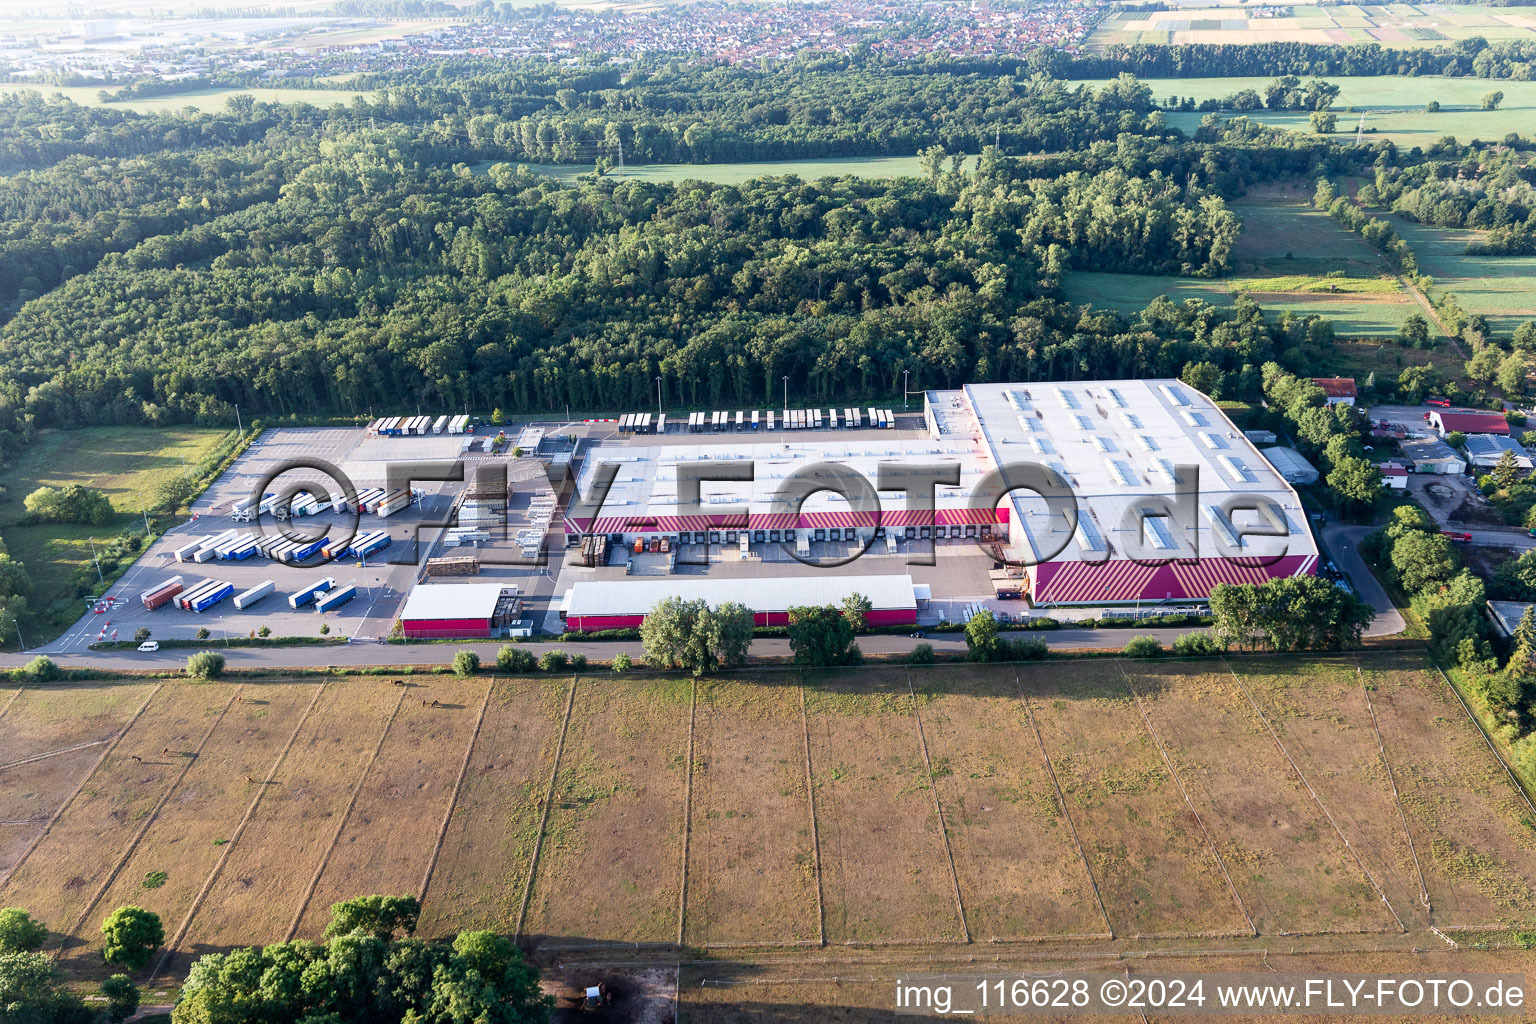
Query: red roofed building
x=1340, y=390
x=1469, y=423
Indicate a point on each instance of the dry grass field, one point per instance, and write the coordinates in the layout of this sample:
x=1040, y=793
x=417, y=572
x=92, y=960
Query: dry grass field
x=1083, y=806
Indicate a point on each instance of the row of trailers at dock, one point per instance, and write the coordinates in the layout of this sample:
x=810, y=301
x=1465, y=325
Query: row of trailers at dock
x=420, y=426
x=792, y=419
x=374, y=500
x=204, y=594
x=234, y=546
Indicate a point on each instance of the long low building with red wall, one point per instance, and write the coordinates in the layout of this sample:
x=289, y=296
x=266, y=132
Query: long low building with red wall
x=591, y=606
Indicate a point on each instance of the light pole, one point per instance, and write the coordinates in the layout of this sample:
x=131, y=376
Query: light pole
x=99, y=576
x=239, y=425
x=904, y=390
x=658, y=396
x=786, y=394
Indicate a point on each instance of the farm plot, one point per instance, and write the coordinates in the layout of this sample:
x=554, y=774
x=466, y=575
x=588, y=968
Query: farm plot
x=60, y=880
x=49, y=743
x=32, y=792
x=1319, y=709
x=169, y=865
x=611, y=860
x=1473, y=829
x=388, y=837
x=261, y=884
x=885, y=874
x=480, y=874
x=751, y=855
x=1154, y=866
x=39, y=720
x=1021, y=873
x=1293, y=870
x=1502, y=288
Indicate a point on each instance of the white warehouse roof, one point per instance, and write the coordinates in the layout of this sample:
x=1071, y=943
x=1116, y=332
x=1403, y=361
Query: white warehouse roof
x=453, y=601
x=1119, y=445
x=770, y=594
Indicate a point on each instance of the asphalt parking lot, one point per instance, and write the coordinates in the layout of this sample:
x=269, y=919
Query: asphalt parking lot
x=382, y=581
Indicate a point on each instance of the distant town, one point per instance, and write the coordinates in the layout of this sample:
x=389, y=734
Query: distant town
x=177, y=48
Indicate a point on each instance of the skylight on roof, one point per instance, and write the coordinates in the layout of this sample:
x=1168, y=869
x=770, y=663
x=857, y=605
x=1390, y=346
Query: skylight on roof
x=1147, y=442
x=1236, y=470
x=1121, y=471
x=1194, y=419
x=1213, y=441
x=1174, y=394
x=1130, y=420
x=1067, y=399
x=1154, y=531
x=1116, y=397
x=1222, y=525
x=1083, y=422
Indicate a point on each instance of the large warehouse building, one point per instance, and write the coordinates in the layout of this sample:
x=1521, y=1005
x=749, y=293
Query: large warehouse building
x=1125, y=448
x=591, y=606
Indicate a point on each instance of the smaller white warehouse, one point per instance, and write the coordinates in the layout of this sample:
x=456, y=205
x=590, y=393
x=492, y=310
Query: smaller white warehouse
x=592, y=606
x=1289, y=463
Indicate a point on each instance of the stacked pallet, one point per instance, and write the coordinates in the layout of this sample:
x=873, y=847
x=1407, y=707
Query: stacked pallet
x=459, y=565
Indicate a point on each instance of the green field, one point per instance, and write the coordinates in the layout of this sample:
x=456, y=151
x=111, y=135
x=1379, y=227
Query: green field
x=1392, y=104
x=125, y=462
x=1502, y=288
x=1284, y=259
x=203, y=99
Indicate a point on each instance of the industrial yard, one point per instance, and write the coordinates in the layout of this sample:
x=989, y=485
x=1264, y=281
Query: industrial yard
x=1087, y=806
x=582, y=527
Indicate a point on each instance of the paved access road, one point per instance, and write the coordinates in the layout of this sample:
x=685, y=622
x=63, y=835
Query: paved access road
x=364, y=654
x=1343, y=543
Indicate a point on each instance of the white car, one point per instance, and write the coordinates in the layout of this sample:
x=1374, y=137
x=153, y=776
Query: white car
x=149, y=646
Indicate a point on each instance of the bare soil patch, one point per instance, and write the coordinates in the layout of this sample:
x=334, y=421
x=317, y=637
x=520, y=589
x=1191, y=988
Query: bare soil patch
x=751, y=857
x=885, y=875
x=1020, y=871
x=483, y=867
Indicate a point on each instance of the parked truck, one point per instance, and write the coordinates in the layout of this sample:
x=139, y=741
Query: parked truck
x=370, y=543
x=159, y=596
x=186, y=551
x=189, y=596
x=213, y=596
x=336, y=598
x=396, y=501
x=300, y=598
x=247, y=598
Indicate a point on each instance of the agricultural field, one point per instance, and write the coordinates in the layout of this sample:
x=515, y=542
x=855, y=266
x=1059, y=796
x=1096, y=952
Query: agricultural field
x=1502, y=288
x=1392, y=105
x=1073, y=804
x=203, y=100
x=126, y=463
x=1392, y=25
x=1289, y=257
